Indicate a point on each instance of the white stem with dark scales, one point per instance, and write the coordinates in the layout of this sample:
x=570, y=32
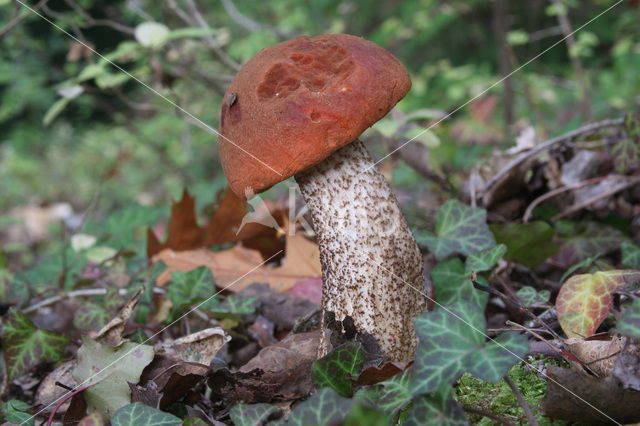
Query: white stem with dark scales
x=371, y=264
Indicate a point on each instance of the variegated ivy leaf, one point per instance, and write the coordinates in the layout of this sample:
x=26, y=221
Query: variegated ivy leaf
x=484, y=260
x=252, y=414
x=626, y=152
x=335, y=369
x=584, y=300
x=630, y=254
x=629, y=321
x=25, y=346
x=452, y=341
x=437, y=409
x=451, y=283
x=325, y=407
x=459, y=229
x=143, y=415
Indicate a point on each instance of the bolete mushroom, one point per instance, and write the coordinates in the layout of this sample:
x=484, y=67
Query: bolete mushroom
x=299, y=107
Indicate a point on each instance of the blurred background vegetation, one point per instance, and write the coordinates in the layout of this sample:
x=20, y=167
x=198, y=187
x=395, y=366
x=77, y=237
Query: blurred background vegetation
x=75, y=129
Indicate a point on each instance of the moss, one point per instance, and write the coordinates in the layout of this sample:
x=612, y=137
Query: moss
x=498, y=398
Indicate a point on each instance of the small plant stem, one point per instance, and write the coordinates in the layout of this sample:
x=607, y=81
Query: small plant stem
x=521, y=400
x=63, y=400
x=487, y=414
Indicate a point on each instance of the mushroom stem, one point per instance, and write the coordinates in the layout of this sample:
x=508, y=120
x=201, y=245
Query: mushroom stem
x=371, y=264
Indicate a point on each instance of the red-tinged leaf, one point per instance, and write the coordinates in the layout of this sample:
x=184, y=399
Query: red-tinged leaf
x=184, y=233
x=584, y=300
x=373, y=374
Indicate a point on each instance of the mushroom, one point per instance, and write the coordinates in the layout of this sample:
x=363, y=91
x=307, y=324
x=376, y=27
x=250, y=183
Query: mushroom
x=297, y=109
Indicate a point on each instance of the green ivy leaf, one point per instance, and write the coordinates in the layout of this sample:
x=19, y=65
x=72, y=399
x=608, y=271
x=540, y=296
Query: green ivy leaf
x=188, y=288
x=390, y=396
x=251, y=414
x=25, y=346
x=325, y=407
x=16, y=413
x=452, y=342
x=121, y=225
x=107, y=370
x=629, y=321
x=48, y=272
x=140, y=414
x=484, y=260
x=529, y=244
x=436, y=409
x=459, y=229
x=630, y=254
x=530, y=296
x=234, y=304
x=451, y=283
x=336, y=368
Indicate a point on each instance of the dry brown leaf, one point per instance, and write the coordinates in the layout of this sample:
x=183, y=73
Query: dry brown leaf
x=600, y=355
x=240, y=266
x=185, y=234
x=111, y=334
x=201, y=346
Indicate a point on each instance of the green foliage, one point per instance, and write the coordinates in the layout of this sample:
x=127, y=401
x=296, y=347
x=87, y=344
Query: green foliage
x=529, y=296
x=25, y=346
x=189, y=288
x=485, y=259
x=335, y=369
x=324, y=407
x=626, y=152
x=143, y=415
x=630, y=254
x=451, y=283
x=234, y=304
x=391, y=396
x=529, y=243
x=15, y=413
x=251, y=414
x=582, y=240
x=629, y=322
x=459, y=229
x=438, y=408
x=107, y=370
x=452, y=341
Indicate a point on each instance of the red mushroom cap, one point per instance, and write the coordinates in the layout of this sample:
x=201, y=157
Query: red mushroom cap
x=295, y=103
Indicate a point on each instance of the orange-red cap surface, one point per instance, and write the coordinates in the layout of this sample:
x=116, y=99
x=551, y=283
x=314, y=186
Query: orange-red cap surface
x=295, y=103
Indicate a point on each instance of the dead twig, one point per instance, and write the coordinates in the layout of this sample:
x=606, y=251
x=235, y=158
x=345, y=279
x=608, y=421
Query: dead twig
x=521, y=400
x=588, y=128
x=592, y=200
x=487, y=414
x=557, y=191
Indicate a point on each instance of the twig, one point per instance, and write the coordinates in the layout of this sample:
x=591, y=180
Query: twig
x=592, y=200
x=553, y=193
x=487, y=414
x=180, y=13
x=521, y=400
x=591, y=127
x=248, y=23
x=20, y=17
x=91, y=22
x=213, y=45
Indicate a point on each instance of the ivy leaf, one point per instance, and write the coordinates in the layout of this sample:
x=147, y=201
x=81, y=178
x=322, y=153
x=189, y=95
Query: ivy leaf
x=390, y=396
x=583, y=240
x=630, y=254
x=451, y=283
x=529, y=244
x=629, y=321
x=336, y=368
x=188, y=288
x=48, y=272
x=484, y=260
x=234, y=304
x=107, y=370
x=530, y=296
x=626, y=152
x=323, y=408
x=459, y=229
x=16, y=413
x=452, y=341
x=25, y=346
x=252, y=414
x=140, y=414
x=584, y=300
x=436, y=409
x=121, y=225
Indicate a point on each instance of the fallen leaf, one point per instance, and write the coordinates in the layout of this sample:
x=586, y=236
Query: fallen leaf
x=574, y=395
x=309, y=289
x=185, y=233
x=200, y=347
x=279, y=372
x=147, y=394
x=239, y=267
x=584, y=300
x=600, y=355
x=49, y=392
x=173, y=378
x=111, y=334
x=377, y=374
